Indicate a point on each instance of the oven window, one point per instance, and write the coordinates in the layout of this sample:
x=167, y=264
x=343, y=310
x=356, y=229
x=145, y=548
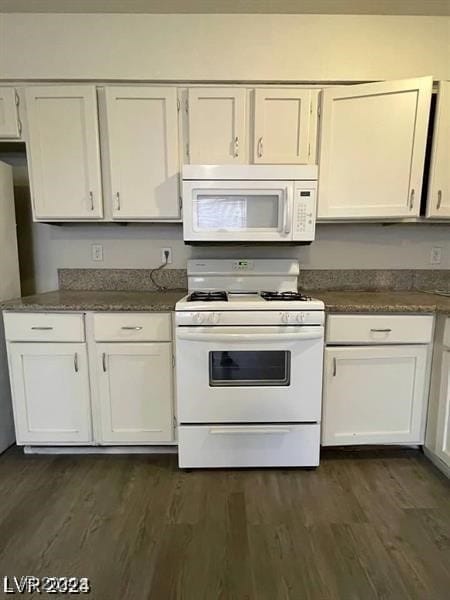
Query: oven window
x=249, y=368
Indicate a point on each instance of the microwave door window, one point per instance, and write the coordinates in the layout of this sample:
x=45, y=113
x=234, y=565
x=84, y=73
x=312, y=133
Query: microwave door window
x=249, y=368
x=234, y=212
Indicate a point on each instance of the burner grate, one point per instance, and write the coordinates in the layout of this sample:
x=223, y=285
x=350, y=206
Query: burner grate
x=208, y=297
x=285, y=296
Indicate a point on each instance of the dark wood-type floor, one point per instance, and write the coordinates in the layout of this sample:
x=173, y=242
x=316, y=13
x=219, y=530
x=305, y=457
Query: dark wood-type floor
x=362, y=526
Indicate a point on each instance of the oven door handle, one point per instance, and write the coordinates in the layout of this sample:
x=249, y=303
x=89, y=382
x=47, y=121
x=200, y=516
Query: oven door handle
x=241, y=430
x=249, y=337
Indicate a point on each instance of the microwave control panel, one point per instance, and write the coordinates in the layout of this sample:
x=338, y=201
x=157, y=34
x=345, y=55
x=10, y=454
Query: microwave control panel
x=304, y=221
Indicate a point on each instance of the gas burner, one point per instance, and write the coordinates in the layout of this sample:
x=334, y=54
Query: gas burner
x=285, y=296
x=208, y=297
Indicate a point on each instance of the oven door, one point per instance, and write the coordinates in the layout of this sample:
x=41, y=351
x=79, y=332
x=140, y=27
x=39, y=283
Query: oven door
x=230, y=211
x=249, y=374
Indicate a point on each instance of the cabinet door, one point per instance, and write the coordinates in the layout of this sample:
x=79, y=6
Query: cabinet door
x=50, y=389
x=443, y=423
x=372, y=149
x=9, y=119
x=217, y=125
x=142, y=125
x=281, y=126
x=63, y=149
x=135, y=390
x=374, y=395
x=438, y=201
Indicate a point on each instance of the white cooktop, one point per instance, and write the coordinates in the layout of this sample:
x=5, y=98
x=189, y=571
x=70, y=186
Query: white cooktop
x=249, y=302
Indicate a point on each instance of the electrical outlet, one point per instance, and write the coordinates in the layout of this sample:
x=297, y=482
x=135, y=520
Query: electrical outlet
x=436, y=256
x=163, y=255
x=97, y=252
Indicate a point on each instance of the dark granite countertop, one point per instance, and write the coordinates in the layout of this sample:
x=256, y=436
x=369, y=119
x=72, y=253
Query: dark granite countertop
x=397, y=302
x=335, y=301
x=62, y=300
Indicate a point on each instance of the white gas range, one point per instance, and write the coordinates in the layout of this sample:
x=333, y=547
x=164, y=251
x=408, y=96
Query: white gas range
x=249, y=366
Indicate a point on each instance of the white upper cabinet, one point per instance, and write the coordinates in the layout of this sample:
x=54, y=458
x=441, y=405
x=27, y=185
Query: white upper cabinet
x=10, y=126
x=142, y=130
x=217, y=125
x=63, y=152
x=372, y=149
x=282, y=121
x=438, y=202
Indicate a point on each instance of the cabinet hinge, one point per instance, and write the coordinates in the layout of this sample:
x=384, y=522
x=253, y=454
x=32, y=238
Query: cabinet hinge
x=318, y=110
x=309, y=150
x=175, y=423
x=173, y=361
x=180, y=204
x=16, y=96
x=19, y=126
x=187, y=106
x=178, y=105
x=310, y=107
x=187, y=150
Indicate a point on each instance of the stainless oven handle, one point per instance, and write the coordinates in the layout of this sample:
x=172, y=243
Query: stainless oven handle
x=240, y=430
x=248, y=337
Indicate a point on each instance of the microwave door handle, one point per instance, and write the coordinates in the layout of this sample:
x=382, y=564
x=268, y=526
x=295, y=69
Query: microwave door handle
x=249, y=337
x=287, y=212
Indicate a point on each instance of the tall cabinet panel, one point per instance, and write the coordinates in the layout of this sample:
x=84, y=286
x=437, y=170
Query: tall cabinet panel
x=217, y=125
x=63, y=150
x=438, y=204
x=372, y=153
x=281, y=126
x=142, y=128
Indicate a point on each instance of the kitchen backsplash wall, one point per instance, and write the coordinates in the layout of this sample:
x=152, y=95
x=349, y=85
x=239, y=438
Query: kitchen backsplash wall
x=46, y=248
x=310, y=279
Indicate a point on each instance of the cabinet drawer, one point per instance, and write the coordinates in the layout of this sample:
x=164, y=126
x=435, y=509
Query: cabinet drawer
x=379, y=329
x=204, y=446
x=130, y=327
x=44, y=327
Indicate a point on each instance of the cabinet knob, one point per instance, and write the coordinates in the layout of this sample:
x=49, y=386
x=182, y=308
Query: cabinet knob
x=439, y=199
x=411, y=199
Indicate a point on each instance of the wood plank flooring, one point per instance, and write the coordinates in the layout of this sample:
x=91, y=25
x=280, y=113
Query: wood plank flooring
x=364, y=525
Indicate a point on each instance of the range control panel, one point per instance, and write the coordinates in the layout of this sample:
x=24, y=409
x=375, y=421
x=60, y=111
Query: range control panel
x=304, y=221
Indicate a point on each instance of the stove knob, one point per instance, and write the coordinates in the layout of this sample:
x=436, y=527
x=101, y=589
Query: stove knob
x=300, y=317
x=285, y=317
x=198, y=318
x=214, y=318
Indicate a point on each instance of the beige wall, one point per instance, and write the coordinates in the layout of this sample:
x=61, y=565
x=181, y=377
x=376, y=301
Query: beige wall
x=223, y=47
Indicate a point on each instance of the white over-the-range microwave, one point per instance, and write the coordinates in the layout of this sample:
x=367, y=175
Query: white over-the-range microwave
x=249, y=203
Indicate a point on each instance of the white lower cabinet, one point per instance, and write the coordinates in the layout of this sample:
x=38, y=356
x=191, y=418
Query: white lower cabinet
x=374, y=395
x=50, y=388
x=437, y=441
x=135, y=392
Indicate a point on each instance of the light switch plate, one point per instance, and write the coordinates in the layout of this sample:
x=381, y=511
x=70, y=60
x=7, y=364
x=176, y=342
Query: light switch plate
x=97, y=252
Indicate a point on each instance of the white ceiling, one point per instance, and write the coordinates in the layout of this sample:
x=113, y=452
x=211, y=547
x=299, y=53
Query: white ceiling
x=363, y=7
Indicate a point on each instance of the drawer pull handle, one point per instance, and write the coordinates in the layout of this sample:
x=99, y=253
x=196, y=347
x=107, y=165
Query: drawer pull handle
x=439, y=199
x=130, y=328
x=411, y=199
x=104, y=362
x=334, y=366
x=247, y=430
x=75, y=362
x=381, y=330
x=42, y=328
